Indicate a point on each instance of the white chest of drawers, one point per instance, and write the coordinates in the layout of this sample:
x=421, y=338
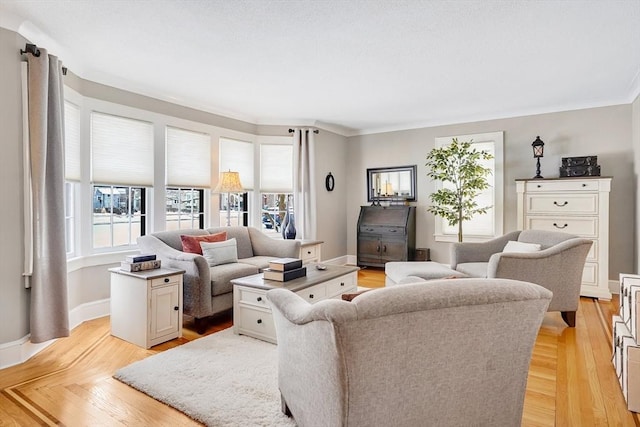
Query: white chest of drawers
x=577, y=206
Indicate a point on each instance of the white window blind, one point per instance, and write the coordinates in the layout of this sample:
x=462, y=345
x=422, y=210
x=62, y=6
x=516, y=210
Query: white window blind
x=71, y=142
x=121, y=150
x=237, y=156
x=188, y=158
x=276, y=168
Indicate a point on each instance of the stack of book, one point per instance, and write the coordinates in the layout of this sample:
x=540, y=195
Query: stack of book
x=285, y=269
x=140, y=262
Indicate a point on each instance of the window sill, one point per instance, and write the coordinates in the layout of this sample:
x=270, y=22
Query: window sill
x=78, y=263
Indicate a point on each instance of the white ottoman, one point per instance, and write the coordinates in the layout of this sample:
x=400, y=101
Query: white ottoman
x=407, y=272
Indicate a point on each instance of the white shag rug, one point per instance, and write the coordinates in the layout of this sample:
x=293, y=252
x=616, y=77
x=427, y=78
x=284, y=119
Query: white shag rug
x=220, y=380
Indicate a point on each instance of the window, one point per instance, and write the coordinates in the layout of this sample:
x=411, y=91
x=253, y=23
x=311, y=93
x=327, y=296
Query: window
x=121, y=168
x=71, y=172
x=236, y=156
x=119, y=215
x=489, y=225
x=276, y=185
x=185, y=208
x=188, y=173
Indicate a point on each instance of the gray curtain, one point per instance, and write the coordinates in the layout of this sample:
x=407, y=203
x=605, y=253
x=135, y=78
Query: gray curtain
x=49, y=307
x=304, y=183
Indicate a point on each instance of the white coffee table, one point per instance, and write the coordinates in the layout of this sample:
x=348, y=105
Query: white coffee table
x=252, y=312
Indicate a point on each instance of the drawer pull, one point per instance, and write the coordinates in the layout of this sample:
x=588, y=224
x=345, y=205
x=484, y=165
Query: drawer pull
x=539, y=186
x=560, y=205
x=310, y=296
x=393, y=231
x=308, y=252
x=341, y=283
x=259, y=321
x=176, y=308
x=378, y=248
x=557, y=226
x=384, y=248
x=584, y=185
x=166, y=280
x=259, y=299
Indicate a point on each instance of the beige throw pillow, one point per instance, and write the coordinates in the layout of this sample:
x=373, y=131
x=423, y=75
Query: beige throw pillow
x=220, y=252
x=513, y=246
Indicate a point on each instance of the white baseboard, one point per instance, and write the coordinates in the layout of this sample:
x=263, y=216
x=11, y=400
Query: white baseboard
x=341, y=260
x=21, y=350
x=614, y=286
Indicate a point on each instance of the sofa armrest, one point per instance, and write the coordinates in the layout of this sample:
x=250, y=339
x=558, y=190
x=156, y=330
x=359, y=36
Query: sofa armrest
x=299, y=312
x=197, y=276
x=479, y=252
x=264, y=245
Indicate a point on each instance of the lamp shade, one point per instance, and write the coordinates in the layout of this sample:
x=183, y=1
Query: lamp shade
x=229, y=183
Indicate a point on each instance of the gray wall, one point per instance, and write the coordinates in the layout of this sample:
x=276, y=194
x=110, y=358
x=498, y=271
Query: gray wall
x=635, y=137
x=14, y=298
x=605, y=132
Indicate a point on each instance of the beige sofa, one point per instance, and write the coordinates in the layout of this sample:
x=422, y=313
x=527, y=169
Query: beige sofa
x=443, y=353
x=208, y=290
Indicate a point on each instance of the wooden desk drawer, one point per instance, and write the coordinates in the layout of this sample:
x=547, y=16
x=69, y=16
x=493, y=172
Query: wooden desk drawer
x=254, y=297
x=569, y=185
x=341, y=285
x=584, y=227
x=166, y=281
x=563, y=204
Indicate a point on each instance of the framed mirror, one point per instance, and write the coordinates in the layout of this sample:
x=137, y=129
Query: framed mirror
x=394, y=183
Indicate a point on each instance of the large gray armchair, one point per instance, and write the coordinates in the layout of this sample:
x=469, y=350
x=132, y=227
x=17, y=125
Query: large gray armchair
x=557, y=266
x=443, y=353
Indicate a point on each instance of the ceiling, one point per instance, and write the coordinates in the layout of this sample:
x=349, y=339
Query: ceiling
x=351, y=66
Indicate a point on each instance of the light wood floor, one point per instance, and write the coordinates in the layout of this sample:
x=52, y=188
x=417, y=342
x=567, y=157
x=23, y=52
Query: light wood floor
x=571, y=379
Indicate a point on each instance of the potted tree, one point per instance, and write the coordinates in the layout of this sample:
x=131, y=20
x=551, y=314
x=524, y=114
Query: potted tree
x=461, y=166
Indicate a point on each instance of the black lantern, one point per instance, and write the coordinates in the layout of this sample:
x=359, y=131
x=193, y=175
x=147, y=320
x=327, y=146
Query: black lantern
x=538, y=151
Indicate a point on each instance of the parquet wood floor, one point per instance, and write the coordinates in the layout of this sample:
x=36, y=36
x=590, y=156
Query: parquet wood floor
x=571, y=379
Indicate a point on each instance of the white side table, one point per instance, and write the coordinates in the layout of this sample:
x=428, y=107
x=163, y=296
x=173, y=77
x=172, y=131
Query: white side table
x=310, y=251
x=146, y=306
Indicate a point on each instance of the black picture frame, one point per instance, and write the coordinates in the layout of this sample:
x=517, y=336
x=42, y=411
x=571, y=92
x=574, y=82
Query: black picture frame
x=378, y=178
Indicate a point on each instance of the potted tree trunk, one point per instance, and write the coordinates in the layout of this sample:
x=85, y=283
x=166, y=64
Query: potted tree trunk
x=459, y=167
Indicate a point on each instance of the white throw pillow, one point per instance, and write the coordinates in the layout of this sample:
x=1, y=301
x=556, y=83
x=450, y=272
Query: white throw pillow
x=513, y=246
x=217, y=253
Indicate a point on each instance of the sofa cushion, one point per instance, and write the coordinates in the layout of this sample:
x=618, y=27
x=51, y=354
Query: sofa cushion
x=474, y=269
x=191, y=244
x=218, y=253
x=261, y=262
x=172, y=238
x=513, y=246
x=221, y=276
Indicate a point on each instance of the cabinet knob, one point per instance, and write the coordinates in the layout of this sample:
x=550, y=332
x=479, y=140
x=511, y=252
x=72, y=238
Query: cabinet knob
x=259, y=321
x=166, y=280
x=584, y=185
x=176, y=308
x=341, y=283
x=259, y=299
x=539, y=186
x=310, y=296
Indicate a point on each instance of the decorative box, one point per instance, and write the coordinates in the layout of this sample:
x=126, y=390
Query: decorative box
x=570, y=171
x=580, y=161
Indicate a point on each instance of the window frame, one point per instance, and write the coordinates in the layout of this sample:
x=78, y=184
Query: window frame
x=201, y=207
x=131, y=238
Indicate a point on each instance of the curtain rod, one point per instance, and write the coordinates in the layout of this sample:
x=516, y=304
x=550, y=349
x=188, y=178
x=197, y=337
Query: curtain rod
x=33, y=49
x=316, y=131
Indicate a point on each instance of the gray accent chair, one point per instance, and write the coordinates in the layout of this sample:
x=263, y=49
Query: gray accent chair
x=557, y=267
x=452, y=352
x=208, y=290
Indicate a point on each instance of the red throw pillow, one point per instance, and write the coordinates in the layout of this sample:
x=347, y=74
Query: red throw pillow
x=191, y=244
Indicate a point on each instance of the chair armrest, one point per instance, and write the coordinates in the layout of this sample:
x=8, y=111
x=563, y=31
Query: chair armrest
x=558, y=268
x=196, y=279
x=479, y=252
x=299, y=312
x=264, y=245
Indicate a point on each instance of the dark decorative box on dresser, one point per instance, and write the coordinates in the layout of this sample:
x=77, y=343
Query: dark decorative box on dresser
x=386, y=233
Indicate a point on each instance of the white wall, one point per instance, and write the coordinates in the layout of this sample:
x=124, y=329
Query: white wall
x=635, y=141
x=14, y=298
x=605, y=132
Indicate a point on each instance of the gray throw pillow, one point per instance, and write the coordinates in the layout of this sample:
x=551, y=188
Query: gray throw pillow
x=218, y=253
